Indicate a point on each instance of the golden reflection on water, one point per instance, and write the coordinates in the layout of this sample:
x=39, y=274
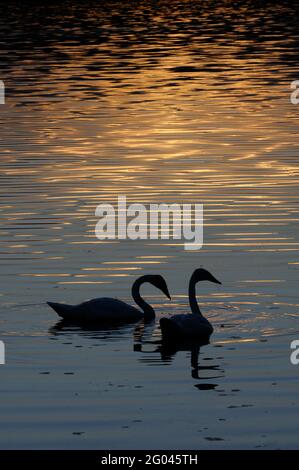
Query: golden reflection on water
x=196, y=115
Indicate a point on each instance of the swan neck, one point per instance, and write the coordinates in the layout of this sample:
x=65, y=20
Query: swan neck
x=147, y=309
x=192, y=297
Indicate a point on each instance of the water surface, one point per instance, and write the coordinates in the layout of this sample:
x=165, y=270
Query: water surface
x=162, y=102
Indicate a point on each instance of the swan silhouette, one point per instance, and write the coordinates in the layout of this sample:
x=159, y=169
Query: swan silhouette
x=191, y=325
x=107, y=310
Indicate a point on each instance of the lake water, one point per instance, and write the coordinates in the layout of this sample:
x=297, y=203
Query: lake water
x=162, y=102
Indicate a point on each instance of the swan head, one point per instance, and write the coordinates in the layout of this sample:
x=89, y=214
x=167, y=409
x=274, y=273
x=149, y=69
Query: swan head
x=159, y=282
x=201, y=274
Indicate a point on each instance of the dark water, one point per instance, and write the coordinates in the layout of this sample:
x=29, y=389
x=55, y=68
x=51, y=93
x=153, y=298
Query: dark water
x=162, y=102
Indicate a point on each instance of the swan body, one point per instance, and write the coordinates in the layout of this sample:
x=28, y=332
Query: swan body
x=188, y=325
x=107, y=310
x=191, y=325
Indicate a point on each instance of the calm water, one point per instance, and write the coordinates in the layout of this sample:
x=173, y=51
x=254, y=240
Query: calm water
x=161, y=102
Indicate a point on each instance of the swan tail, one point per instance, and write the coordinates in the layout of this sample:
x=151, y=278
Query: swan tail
x=63, y=310
x=169, y=328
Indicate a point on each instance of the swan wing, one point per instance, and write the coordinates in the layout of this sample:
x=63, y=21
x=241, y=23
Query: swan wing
x=188, y=325
x=106, y=309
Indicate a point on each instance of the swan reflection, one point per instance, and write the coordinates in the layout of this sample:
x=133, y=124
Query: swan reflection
x=151, y=347
x=165, y=351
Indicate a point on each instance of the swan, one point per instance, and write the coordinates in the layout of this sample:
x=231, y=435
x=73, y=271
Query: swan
x=191, y=325
x=108, y=310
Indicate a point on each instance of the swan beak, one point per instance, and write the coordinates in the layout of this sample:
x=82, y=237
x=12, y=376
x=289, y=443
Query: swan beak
x=166, y=292
x=213, y=279
x=163, y=287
